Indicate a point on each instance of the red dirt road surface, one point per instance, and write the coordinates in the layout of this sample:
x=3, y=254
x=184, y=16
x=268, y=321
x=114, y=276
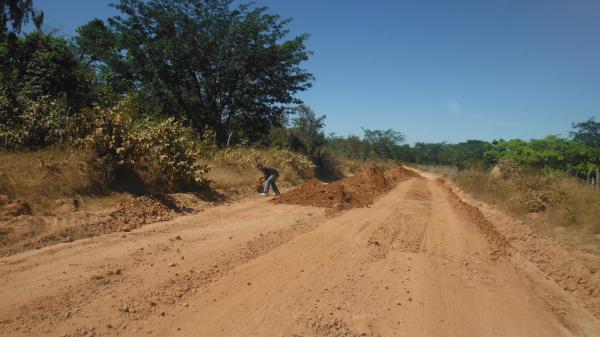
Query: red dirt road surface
x=422, y=260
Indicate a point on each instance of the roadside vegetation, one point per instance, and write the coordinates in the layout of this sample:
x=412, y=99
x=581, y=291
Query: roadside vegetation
x=557, y=204
x=550, y=182
x=167, y=97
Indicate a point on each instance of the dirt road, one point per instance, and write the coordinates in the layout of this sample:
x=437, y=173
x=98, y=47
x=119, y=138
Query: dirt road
x=419, y=262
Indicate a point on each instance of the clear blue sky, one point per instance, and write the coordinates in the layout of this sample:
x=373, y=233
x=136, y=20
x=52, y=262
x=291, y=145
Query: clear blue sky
x=435, y=70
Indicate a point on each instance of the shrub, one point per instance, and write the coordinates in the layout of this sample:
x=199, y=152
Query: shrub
x=162, y=154
x=41, y=123
x=171, y=151
x=112, y=139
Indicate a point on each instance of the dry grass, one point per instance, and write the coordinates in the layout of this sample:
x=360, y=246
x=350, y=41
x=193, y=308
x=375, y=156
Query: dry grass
x=224, y=177
x=235, y=168
x=42, y=177
x=560, y=206
x=445, y=170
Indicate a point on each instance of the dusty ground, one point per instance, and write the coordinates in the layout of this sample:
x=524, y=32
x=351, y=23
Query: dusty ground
x=423, y=260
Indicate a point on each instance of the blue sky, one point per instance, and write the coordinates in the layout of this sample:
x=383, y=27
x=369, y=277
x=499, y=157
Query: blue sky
x=434, y=70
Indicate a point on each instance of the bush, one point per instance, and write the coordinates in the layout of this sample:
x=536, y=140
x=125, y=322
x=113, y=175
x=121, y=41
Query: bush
x=162, y=154
x=42, y=83
x=112, y=139
x=170, y=151
x=41, y=123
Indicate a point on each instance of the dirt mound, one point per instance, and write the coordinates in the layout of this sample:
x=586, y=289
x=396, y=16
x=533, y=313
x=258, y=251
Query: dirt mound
x=139, y=211
x=30, y=231
x=359, y=190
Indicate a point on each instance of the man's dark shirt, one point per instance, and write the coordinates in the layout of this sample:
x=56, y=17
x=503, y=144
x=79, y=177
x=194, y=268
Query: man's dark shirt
x=269, y=171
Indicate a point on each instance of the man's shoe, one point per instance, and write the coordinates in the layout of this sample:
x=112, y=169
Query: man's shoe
x=263, y=194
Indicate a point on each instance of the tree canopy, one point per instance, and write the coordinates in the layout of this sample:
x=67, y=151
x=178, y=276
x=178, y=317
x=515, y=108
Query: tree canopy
x=14, y=14
x=228, y=68
x=587, y=132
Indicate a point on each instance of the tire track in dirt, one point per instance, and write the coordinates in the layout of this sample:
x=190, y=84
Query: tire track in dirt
x=405, y=228
x=334, y=281
x=112, y=277
x=175, y=290
x=171, y=292
x=516, y=271
x=307, y=275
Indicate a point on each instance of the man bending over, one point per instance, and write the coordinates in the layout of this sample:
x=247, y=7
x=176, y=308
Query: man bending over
x=271, y=176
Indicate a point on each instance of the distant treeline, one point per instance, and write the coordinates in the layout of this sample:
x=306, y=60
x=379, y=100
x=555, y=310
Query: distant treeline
x=577, y=155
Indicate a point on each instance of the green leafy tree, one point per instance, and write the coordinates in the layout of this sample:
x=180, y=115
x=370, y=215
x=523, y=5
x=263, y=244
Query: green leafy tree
x=306, y=133
x=351, y=147
x=96, y=47
x=41, y=84
x=383, y=144
x=587, y=132
x=552, y=152
x=232, y=69
x=375, y=144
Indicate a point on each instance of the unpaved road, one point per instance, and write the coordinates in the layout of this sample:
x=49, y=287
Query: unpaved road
x=418, y=262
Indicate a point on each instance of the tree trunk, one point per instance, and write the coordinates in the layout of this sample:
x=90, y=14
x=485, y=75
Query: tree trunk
x=229, y=139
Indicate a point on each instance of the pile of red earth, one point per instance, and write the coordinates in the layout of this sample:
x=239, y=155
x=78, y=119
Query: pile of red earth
x=359, y=190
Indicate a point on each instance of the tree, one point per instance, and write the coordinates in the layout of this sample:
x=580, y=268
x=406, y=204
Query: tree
x=96, y=48
x=587, y=132
x=307, y=128
x=41, y=82
x=383, y=144
x=351, y=147
x=231, y=69
x=429, y=153
x=42, y=65
x=15, y=13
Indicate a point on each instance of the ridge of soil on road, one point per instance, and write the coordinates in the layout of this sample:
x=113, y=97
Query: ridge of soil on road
x=359, y=190
x=499, y=243
x=575, y=271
